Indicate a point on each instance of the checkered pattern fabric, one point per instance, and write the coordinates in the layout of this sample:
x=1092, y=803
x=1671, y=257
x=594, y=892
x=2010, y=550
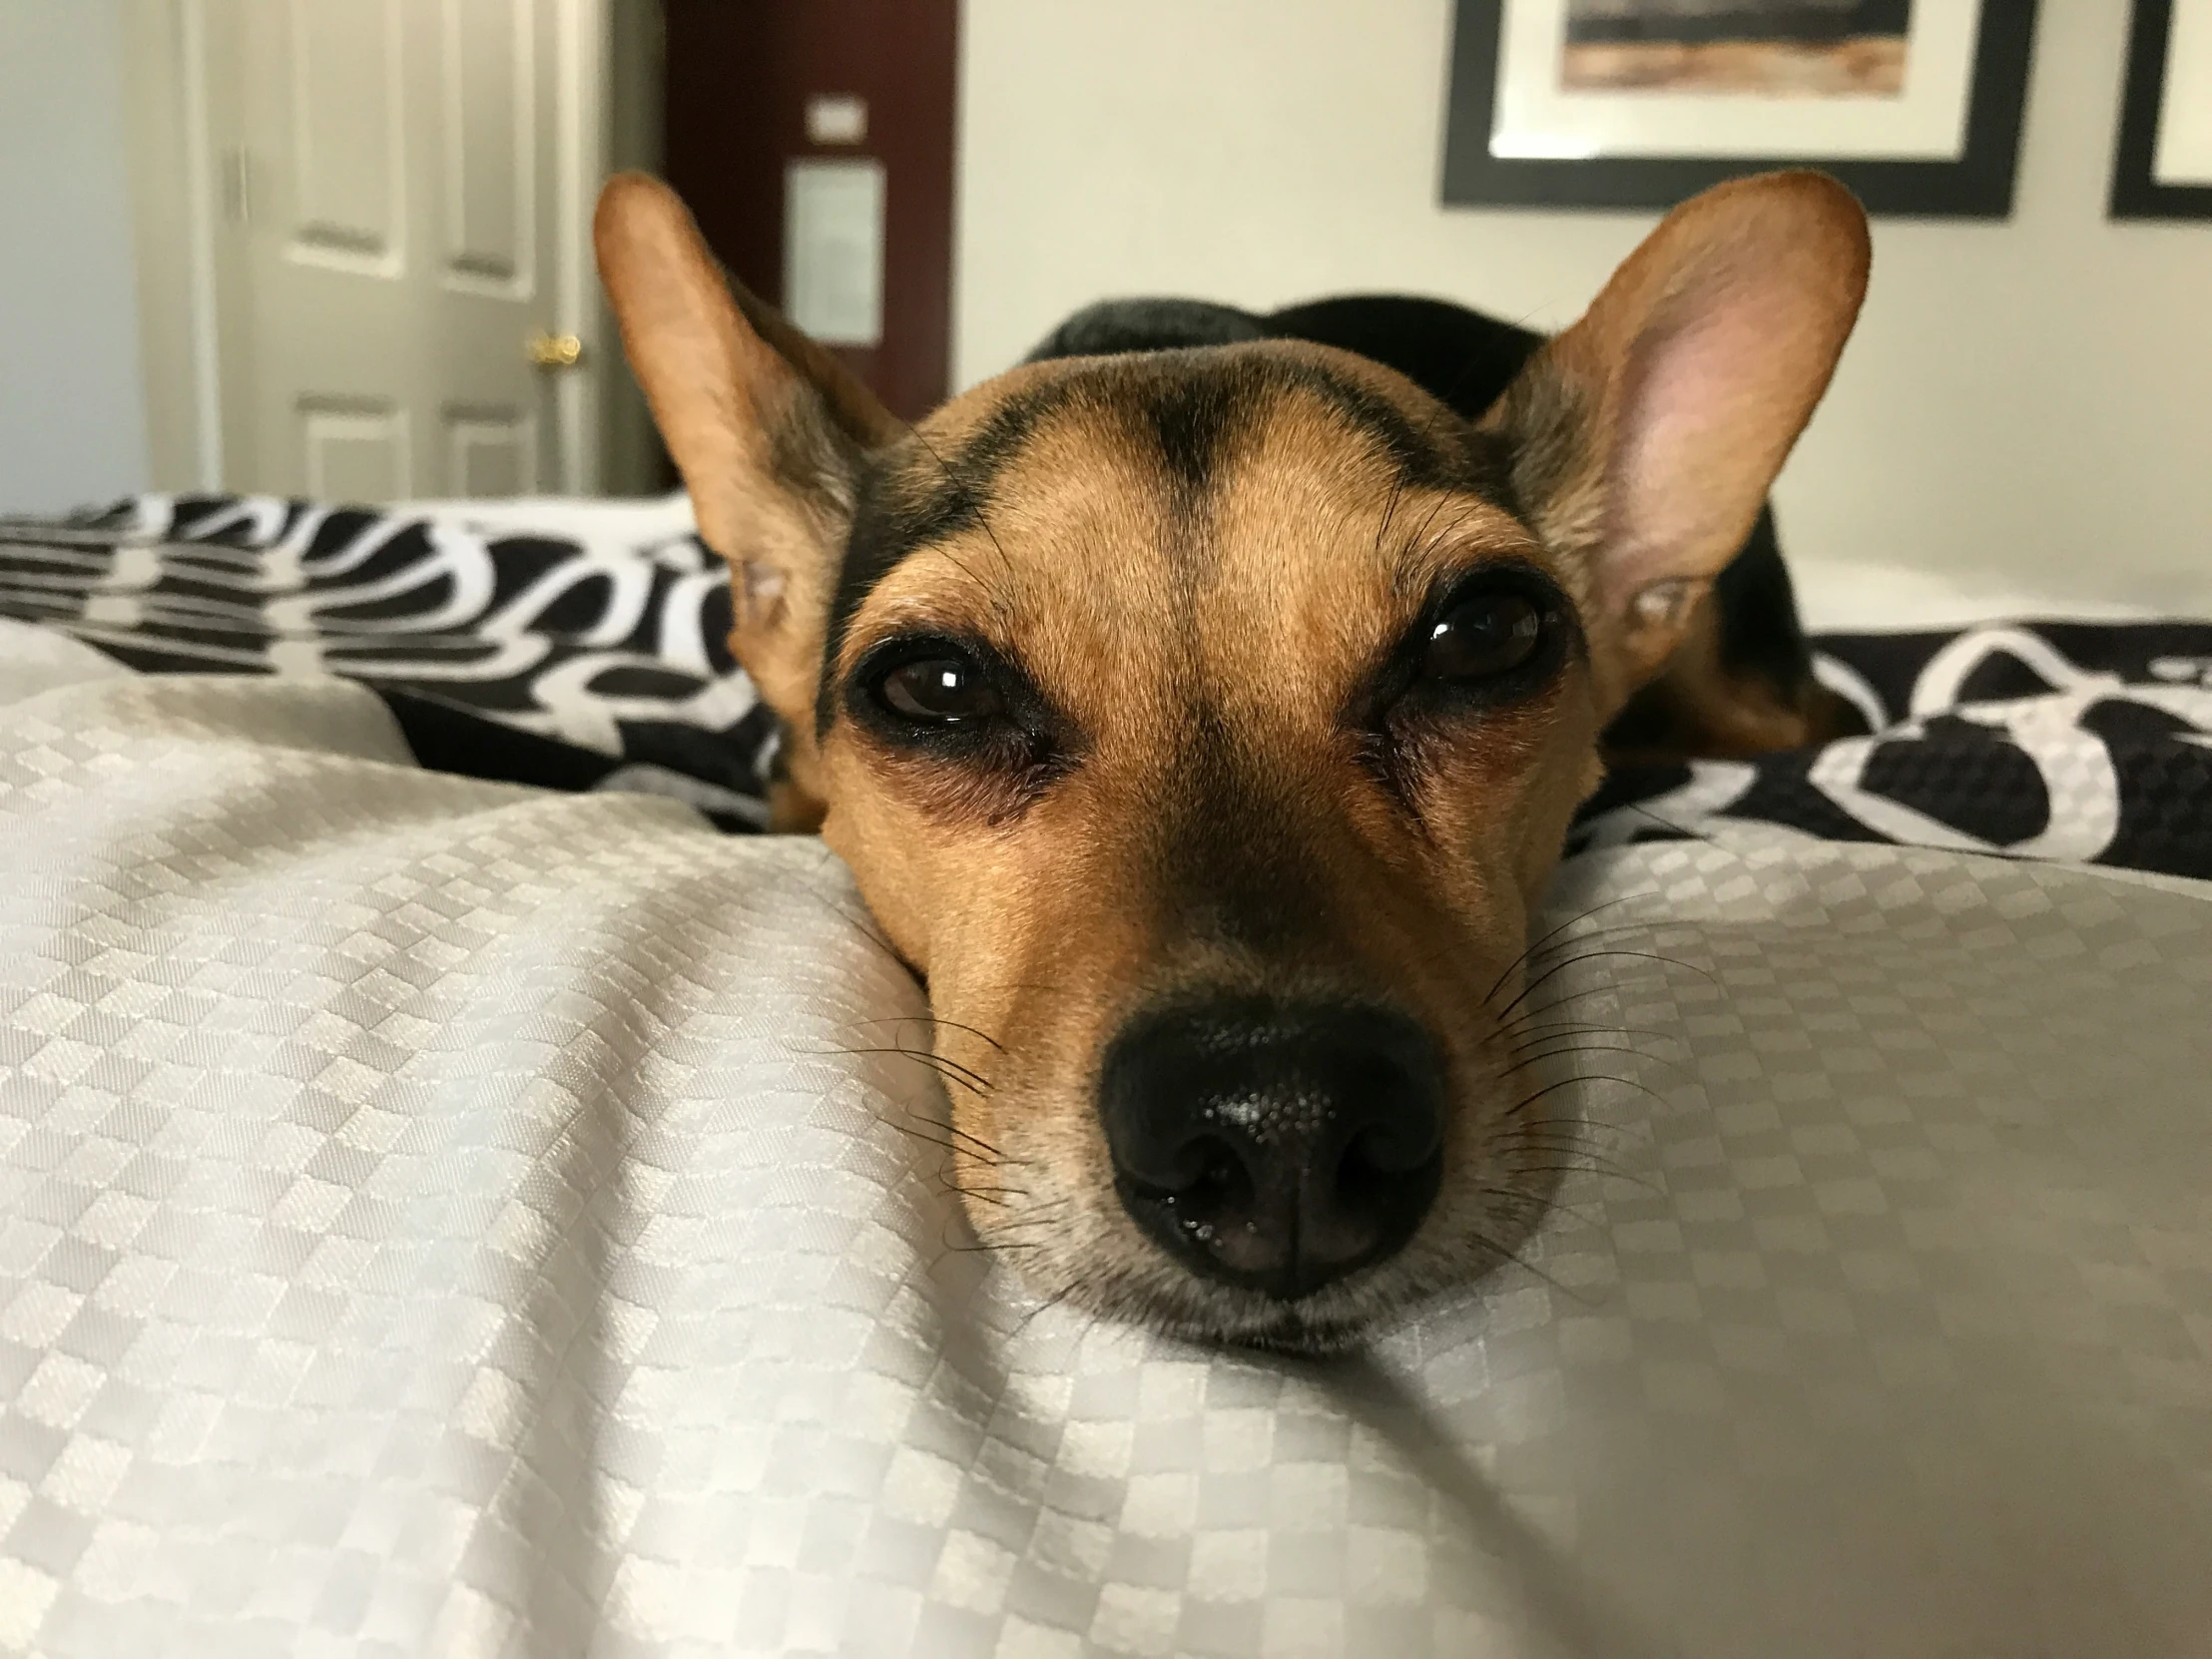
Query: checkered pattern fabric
x=441, y=1218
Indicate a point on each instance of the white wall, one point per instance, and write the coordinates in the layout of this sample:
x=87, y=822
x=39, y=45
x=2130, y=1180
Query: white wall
x=72, y=409
x=2030, y=399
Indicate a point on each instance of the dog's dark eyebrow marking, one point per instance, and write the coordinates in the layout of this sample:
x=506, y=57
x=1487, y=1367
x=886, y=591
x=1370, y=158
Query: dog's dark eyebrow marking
x=1189, y=404
x=918, y=497
x=1192, y=419
x=1455, y=458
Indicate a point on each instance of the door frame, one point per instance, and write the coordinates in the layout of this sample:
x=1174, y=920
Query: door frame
x=190, y=292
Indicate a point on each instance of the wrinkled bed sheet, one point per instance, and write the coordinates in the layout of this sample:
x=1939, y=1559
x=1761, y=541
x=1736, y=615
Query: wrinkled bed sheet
x=439, y=1217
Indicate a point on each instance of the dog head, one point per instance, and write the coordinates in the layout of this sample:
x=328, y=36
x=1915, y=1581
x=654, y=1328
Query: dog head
x=1204, y=727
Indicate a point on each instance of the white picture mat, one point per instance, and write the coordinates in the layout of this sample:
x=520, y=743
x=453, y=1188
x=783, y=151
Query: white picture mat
x=834, y=250
x=1534, y=118
x=2184, y=152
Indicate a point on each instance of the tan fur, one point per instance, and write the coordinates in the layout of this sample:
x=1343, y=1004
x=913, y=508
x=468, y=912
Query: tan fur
x=1707, y=710
x=1246, y=616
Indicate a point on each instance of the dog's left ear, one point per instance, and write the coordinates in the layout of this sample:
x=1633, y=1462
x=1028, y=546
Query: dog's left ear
x=767, y=430
x=1645, y=437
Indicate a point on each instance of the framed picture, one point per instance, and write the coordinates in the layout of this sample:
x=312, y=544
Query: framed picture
x=2164, y=166
x=1915, y=104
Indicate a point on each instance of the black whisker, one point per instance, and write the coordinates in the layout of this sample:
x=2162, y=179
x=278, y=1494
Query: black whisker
x=926, y=1139
x=979, y=1197
x=1389, y=511
x=949, y=1069
x=1587, y=1028
x=1537, y=944
x=935, y=1019
x=1518, y=1259
x=1558, y=968
x=1601, y=1048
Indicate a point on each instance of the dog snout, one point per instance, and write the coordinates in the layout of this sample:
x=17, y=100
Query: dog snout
x=1270, y=1145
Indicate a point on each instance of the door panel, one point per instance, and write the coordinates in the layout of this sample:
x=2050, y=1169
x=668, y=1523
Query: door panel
x=356, y=455
x=341, y=59
x=391, y=245
x=490, y=88
x=492, y=455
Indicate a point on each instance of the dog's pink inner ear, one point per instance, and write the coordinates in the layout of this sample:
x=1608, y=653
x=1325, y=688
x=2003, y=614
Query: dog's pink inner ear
x=1711, y=405
x=1648, y=434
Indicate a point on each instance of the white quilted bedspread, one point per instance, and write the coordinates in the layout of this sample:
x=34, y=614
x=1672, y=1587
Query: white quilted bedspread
x=441, y=1218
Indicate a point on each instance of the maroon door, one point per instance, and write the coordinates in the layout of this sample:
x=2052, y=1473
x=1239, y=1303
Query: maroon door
x=741, y=75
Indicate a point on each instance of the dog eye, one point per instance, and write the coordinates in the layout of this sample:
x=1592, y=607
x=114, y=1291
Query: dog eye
x=1483, y=637
x=940, y=691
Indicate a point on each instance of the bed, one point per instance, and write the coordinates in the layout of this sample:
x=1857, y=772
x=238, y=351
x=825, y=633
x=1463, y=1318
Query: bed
x=444, y=1207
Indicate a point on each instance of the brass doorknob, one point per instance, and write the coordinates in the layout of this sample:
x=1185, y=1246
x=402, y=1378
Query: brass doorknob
x=554, y=351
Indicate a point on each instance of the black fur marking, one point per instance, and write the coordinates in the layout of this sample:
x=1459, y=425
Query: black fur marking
x=1464, y=360
x=1451, y=457
x=1461, y=358
x=1115, y=326
x=1191, y=418
x=914, y=498
x=1758, y=628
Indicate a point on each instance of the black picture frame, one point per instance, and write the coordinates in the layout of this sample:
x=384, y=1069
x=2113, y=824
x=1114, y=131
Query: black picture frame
x=2136, y=192
x=1977, y=185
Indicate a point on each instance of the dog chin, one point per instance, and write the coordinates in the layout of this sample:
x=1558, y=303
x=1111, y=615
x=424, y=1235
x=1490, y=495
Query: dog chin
x=1331, y=1322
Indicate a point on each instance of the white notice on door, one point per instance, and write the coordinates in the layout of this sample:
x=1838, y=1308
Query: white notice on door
x=834, y=250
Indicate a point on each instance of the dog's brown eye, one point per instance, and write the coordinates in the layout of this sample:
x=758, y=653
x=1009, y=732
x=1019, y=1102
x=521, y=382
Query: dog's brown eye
x=1484, y=637
x=940, y=691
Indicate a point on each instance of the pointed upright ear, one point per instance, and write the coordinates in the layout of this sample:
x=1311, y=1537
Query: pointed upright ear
x=769, y=431
x=1645, y=437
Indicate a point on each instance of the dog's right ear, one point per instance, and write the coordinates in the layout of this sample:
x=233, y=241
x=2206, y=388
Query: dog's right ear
x=767, y=430
x=1646, y=437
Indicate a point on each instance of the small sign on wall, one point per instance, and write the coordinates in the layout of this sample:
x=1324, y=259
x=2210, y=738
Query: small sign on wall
x=836, y=118
x=834, y=250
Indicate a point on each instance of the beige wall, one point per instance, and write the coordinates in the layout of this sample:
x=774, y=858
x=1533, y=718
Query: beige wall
x=2031, y=400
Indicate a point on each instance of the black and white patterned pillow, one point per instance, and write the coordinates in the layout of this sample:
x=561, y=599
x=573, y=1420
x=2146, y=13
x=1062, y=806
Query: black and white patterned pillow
x=568, y=658
x=2076, y=741
x=577, y=658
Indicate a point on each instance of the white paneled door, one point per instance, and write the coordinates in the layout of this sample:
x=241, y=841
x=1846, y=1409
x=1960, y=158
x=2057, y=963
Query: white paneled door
x=388, y=236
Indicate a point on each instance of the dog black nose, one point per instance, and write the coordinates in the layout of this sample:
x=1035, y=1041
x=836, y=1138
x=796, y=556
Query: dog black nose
x=1275, y=1146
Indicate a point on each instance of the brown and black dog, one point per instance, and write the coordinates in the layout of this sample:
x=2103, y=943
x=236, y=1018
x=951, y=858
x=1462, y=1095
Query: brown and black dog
x=1203, y=726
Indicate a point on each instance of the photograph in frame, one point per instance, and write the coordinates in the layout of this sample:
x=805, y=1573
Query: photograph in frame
x=1916, y=104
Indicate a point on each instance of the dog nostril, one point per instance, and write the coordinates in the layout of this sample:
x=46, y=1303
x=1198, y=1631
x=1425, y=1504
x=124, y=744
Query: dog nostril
x=1274, y=1147
x=1201, y=1169
x=1401, y=1144
x=1164, y=1177
x=1216, y=1193
x=1223, y=1178
x=1368, y=1170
